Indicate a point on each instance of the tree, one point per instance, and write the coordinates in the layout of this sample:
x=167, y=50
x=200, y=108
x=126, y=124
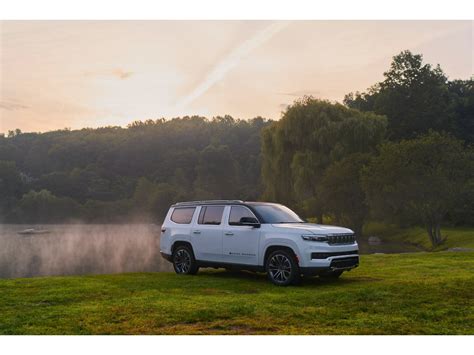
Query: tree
x=182, y=158
x=151, y=201
x=414, y=96
x=341, y=192
x=163, y=197
x=216, y=173
x=419, y=180
x=462, y=98
x=312, y=135
x=44, y=207
x=10, y=187
x=142, y=196
x=14, y=133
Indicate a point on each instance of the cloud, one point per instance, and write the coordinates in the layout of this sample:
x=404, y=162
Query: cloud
x=117, y=73
x=12, y=106
x=301, y=93
x=230, y=61
x=121, y=74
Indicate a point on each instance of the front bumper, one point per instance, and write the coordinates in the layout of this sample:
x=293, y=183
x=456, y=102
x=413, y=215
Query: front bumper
x=319, y=258
x=336, y=264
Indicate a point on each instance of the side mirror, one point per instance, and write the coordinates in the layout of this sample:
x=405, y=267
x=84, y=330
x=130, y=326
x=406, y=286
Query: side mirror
x=250, y=221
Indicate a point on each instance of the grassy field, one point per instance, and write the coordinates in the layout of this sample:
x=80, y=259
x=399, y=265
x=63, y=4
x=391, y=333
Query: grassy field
x=416, y=238
x=423, y=293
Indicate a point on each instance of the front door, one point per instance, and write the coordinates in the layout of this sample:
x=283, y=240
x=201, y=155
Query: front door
x=239, y=243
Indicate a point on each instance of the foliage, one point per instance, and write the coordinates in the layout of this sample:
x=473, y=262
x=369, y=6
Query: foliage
x=312, y=135
x=416, y=98
x=419, y=180
x=44, y=207
x=462, y=104
x=105, y=170
x=10, y=187
x=341, y=194
x=216, y=174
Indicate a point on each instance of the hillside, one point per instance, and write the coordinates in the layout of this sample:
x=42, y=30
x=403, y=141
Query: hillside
x=423, y=293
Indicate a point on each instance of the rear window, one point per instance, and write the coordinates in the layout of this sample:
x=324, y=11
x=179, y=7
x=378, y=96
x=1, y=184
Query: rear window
x=211, y=215
x=183, y=215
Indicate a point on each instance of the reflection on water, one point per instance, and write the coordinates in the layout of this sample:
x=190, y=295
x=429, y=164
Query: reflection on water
x=80, y=249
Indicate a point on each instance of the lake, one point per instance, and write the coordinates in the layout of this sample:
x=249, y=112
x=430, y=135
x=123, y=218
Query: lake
x=77, y=249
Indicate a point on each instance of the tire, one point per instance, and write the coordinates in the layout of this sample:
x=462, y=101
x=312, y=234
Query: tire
x=282, y=268
x=184, y=262
x=331, y=275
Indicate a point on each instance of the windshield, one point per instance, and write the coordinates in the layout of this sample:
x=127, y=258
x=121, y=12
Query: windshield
x=277, y=214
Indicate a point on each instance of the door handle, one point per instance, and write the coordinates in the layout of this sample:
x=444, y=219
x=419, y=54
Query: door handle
x=229, y=233
x=197, y=232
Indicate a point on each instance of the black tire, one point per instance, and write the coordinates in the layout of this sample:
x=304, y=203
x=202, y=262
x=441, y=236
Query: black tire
x=331, y=275
x=282, y=268
x=184, y=262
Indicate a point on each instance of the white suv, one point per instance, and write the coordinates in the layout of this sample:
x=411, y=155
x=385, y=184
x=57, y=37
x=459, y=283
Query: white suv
x=255, y=236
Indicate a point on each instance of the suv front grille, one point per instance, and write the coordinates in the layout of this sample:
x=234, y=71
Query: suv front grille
x=345, y=263
x=348, y=238
x=327, y=255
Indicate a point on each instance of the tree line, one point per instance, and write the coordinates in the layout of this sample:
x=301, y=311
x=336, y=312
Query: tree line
x=114, y=174
x=400, y=152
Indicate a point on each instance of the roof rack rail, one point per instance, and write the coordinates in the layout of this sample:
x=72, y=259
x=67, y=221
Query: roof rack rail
x=207, y=202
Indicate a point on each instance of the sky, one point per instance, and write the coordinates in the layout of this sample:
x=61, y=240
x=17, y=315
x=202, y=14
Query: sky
x=75, y=74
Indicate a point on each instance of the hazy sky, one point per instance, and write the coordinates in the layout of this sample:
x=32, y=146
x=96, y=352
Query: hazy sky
x=57, y=74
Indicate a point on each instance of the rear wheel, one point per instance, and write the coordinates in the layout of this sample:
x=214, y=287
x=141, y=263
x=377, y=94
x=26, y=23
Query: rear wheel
x=282, y=268
x=183, y=260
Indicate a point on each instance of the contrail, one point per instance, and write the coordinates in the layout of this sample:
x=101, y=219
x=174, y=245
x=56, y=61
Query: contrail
x=231, y=60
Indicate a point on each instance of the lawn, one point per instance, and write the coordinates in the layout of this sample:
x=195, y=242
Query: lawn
x=424, y=293
x=416, y=238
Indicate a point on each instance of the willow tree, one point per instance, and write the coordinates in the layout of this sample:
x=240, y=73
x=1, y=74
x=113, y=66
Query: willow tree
x=342, y=194
x=311, y=135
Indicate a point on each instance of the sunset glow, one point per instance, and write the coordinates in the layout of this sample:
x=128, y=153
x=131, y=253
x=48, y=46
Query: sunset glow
x=57, y=74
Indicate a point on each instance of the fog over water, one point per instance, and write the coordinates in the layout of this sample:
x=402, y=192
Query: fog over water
x=80, y=249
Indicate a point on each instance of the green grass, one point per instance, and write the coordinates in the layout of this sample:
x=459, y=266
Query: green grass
x=423, y=293
x=417, y=238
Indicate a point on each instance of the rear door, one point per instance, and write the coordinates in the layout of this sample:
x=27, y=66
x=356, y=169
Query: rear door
x=206, y=234
x=239, y=243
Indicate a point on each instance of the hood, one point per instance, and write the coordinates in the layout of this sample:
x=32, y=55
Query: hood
x=311, y=228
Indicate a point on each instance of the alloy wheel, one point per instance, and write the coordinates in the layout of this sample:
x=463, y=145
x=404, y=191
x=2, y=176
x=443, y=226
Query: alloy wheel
x=279, y=268
x=182, y=261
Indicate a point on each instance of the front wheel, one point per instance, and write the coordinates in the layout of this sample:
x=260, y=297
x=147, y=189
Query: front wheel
x=184, y=262
x=282, y=268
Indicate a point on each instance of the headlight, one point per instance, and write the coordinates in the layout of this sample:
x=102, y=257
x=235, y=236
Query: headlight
x=315, y=238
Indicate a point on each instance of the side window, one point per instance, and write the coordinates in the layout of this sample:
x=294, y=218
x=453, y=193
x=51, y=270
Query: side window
x=183, y=215
x=237, y=212
x=211, y=215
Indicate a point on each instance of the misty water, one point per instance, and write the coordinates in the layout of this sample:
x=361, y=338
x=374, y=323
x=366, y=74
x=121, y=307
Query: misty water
x=80, y=249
